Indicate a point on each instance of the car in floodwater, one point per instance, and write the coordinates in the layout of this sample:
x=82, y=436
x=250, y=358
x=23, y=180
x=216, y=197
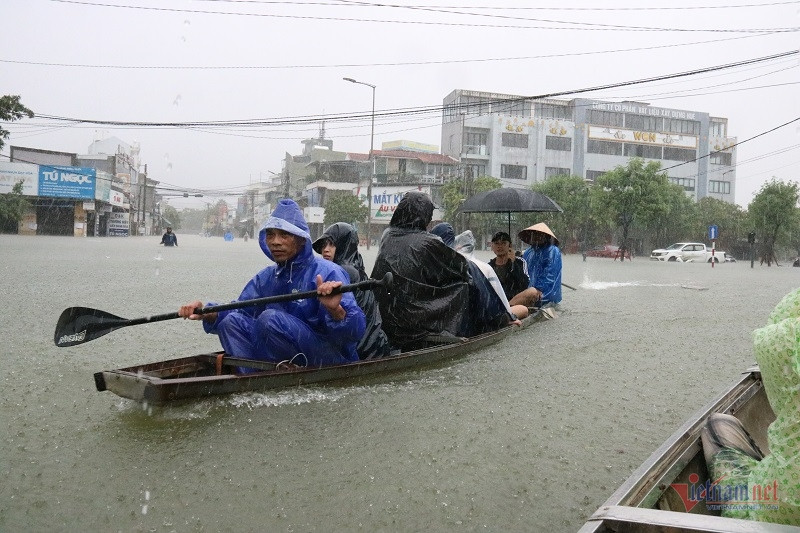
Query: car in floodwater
x=607, y=250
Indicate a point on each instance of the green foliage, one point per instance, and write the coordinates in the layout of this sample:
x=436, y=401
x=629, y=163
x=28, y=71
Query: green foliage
x=345, y=207
x=455, y=192
x=637, y=193
x=574, y=226
x=774, y=215
x=192, y=220
x=171, y=214
x=10, y=110
x=12, y=207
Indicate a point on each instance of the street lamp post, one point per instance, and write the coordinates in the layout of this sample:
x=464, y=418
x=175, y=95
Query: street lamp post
x=371, y=159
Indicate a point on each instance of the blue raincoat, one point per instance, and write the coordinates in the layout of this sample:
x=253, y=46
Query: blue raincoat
x=544, y=271
x=282, y=331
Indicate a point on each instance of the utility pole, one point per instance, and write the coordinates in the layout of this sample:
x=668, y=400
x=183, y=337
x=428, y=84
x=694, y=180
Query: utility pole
x=371, y=159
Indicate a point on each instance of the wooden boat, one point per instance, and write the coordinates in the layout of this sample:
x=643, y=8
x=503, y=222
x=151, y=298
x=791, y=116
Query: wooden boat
x=648, y=502
x=213, y=374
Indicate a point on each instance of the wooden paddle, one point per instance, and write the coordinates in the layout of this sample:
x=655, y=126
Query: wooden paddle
x=77, y=325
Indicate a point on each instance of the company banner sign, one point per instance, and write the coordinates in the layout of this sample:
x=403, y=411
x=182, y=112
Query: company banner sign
x=385, y=199
x=13, y=173
x=67, y=182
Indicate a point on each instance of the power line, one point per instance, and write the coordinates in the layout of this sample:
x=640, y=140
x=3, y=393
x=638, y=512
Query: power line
x=304, y=119
x=589, y=26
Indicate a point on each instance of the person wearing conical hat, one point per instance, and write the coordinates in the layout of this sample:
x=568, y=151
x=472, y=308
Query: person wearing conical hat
x=544, y=262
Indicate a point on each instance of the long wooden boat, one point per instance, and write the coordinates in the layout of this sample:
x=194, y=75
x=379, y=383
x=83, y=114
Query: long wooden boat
x=213, y=374
x=649, y=500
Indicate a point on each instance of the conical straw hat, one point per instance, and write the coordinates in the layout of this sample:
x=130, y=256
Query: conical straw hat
x=526, y=235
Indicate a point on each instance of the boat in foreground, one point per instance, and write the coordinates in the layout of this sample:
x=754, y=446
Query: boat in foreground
x=651, y=501
x=213, y=374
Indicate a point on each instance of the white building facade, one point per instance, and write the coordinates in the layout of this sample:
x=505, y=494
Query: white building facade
x=523, y=141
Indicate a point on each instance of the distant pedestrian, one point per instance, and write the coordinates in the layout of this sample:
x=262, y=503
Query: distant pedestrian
x=169, y=238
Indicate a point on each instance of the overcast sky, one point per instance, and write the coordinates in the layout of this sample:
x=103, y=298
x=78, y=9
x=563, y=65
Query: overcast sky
x=177, y=61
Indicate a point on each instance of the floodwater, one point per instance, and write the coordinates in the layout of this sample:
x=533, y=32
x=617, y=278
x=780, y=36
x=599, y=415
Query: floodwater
x=532, y=434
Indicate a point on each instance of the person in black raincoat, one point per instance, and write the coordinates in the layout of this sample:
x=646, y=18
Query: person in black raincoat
x=431, y=281
x=343, y=238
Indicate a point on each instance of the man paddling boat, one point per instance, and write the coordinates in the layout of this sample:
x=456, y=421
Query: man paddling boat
x=311, y=332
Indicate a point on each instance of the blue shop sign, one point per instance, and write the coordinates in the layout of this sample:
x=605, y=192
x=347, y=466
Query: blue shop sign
x=66, y=182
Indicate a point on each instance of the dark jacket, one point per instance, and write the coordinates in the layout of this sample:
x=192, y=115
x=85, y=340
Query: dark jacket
x=169, y=239
x=516, y=279
x=431, y=280
x=374, y=343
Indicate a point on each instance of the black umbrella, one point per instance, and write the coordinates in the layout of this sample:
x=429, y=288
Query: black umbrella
x=509, y=200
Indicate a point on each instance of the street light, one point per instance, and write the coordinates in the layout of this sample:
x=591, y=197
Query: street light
x=371, y=160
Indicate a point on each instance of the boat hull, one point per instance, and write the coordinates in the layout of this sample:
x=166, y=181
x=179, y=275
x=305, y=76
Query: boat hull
x=647, y=502
x=196, y=376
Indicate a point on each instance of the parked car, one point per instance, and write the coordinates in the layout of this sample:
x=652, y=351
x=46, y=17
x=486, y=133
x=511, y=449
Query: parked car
x=687, y=252
x=607, y=250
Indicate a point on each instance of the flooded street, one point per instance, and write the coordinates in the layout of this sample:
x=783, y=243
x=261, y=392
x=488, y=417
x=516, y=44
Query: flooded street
x=530, y=435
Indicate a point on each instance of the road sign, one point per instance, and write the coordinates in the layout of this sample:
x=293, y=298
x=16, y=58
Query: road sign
x=713, y=233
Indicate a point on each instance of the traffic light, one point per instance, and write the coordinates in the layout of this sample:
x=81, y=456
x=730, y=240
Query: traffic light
x=751, y=237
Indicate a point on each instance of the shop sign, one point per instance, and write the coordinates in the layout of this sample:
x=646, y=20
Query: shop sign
x=13, y=173
x=118, y=225
x=66, y=182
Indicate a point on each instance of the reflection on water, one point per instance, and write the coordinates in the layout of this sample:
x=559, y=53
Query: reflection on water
x=531, y=434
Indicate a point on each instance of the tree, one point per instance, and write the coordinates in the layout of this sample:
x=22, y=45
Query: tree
x=637, y=192
x=455, y=192
x=10, y=110
x=731, y=221
x=773, y=214
x=12, y=208
x=171, y=214
x=345, y=207
x=572, y=194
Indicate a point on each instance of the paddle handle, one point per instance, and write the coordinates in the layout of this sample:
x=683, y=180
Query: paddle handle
x=367, y=284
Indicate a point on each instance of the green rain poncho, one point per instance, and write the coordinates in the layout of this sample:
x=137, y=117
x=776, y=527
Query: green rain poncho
x=777, y=351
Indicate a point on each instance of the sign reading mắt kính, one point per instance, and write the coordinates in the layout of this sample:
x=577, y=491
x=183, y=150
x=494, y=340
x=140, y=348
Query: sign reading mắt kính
x=386, y=198
x=66, y=182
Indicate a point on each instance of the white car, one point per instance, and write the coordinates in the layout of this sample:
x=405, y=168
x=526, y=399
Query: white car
x=686, y=252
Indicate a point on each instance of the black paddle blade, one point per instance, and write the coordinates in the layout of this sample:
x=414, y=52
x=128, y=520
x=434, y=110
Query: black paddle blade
x=77, y=325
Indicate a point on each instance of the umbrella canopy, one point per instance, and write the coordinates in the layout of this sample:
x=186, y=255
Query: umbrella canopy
x=509, y=200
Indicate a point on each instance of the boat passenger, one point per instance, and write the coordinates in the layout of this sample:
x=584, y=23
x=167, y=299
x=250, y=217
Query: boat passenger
x=312, y=332
x=544, y=262
x=736, y=464
x=339, y=243
x=169, y=238
x=489, y=298
x=512, y=272
x=431, y=280
x=445, y=231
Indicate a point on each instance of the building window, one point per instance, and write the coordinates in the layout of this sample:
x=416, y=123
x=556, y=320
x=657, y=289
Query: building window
x=719, y=129
x=592, y=175
x=686, y=183
x=513, y=172
x=477, y=170
x=515, y=140
x=475, y=142
x=604, y=118
x=721, y=187
x=679, y=154
x=518, y=107
x=647, y=151
x=563, y=144
x=563, y=112
x=603, y=147
x=720, y=158
x=549, y=172
x=642, y=122
x=677, y=125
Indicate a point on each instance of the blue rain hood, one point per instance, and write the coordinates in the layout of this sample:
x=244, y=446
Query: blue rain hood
x=287, y=217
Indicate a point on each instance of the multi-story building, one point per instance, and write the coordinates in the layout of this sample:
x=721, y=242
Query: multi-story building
x=523, y=141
